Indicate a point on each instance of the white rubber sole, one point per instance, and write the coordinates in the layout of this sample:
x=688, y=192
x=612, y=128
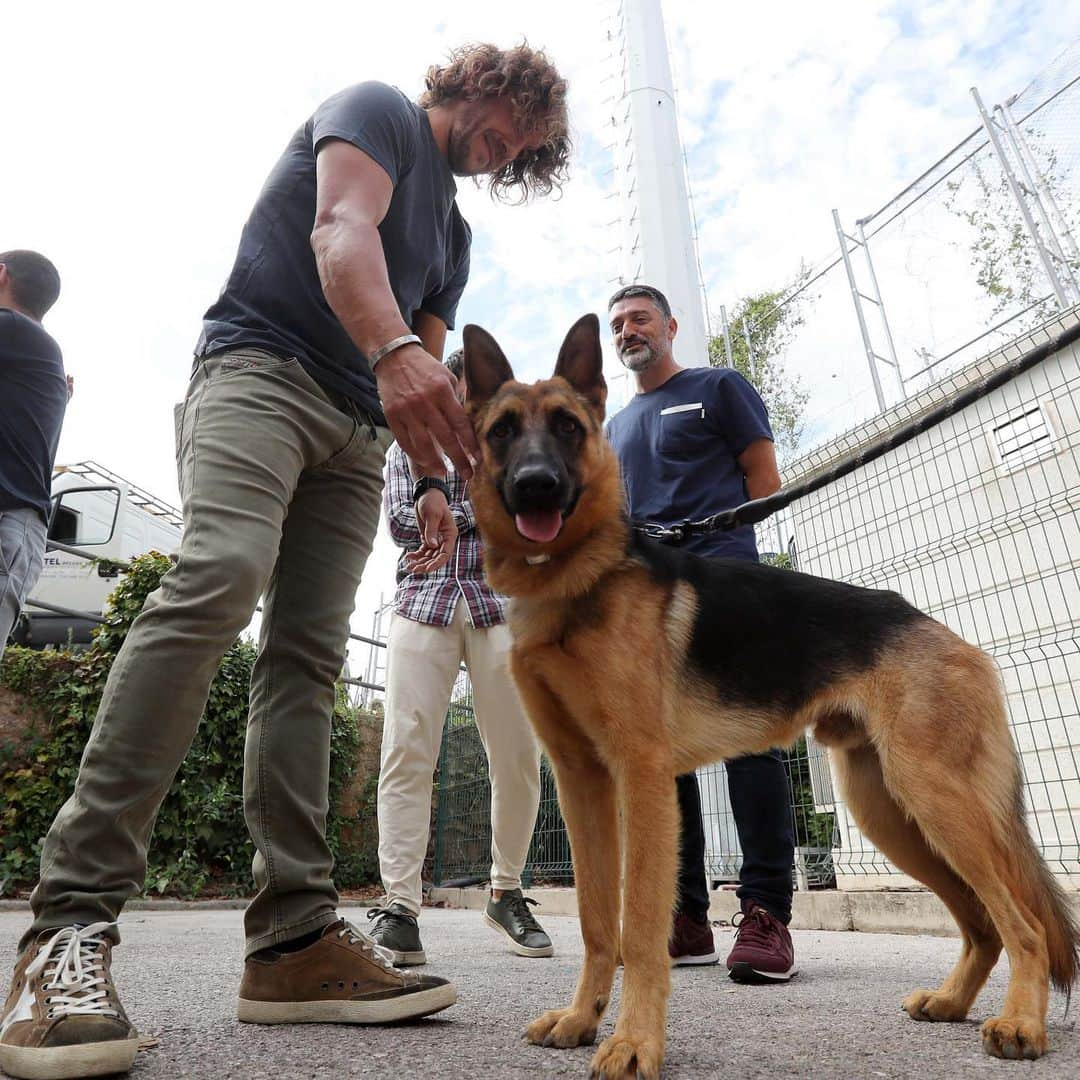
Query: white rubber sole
x=694, y=961
x=521, y=950
x=68, y=1062
x=744, y=973
x=405, y=959
x=387, y=1011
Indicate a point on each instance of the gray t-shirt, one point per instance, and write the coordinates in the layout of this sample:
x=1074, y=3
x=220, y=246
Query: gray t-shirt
x=273, y=298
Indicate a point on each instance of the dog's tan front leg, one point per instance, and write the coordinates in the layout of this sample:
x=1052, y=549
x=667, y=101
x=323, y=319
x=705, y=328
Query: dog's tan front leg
x=587, y=801
x=651, y=829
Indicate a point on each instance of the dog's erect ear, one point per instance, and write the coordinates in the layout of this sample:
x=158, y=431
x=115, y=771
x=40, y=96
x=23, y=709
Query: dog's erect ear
x=486, y=368
x=581, y=362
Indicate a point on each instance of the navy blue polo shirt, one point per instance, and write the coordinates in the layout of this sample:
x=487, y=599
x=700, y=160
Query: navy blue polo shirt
x=678, y=447
x=34, y=392
x=274, y=299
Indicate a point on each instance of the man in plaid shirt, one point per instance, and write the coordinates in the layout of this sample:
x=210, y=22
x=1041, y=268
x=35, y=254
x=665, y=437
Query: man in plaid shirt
x=442, y=617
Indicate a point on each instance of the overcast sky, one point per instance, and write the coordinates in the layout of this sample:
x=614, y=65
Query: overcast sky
x=136, y=137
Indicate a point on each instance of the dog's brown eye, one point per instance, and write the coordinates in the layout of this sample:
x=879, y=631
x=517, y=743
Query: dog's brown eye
x=567, y=425
x=500, y=430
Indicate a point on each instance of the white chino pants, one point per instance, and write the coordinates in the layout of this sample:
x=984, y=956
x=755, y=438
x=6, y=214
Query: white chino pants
x=421, y=667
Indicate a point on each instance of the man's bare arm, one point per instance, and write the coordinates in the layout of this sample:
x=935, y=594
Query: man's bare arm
x=431, y=330
x=758, y=463
x=417, y=392
x=438, y=529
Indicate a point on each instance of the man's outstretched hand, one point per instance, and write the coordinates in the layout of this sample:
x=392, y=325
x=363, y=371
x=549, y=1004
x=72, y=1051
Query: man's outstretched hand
x=438, y=533
x=421, y=406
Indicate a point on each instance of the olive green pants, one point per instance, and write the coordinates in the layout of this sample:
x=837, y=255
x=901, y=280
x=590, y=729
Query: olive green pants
x=281, y=489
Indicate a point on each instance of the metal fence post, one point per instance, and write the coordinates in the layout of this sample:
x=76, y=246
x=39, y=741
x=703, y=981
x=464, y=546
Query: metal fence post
x=1045, y=256
x=1057, y=227
x=727, y=337
x=750, y=366
x=856, y=296
x=440, y=810
x=881, y=311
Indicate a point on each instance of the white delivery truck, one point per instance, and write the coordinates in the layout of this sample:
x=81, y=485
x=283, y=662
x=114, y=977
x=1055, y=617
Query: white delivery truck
x=106, y=516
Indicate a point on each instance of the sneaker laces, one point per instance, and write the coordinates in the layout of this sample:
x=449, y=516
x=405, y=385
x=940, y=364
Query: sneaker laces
x=77, y=956
x=754, y=927
x=519, y=907
x=382, y=913
x=371, y=949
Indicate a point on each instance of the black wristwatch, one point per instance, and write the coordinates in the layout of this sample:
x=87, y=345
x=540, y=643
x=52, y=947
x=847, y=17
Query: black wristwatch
x=426, y=483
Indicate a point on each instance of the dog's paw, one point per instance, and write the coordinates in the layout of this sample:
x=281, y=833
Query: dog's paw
x=1006, y=1037
x=933, y=1005
x=626, y=1057
x=563, y=1028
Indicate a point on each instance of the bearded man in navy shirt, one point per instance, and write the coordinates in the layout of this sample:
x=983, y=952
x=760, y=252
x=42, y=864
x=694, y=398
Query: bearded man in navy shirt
x=692, y=442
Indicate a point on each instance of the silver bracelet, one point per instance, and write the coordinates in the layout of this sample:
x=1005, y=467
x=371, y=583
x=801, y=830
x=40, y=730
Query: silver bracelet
x=390, y=346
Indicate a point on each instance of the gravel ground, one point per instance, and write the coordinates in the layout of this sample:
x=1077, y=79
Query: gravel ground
x=178, y=974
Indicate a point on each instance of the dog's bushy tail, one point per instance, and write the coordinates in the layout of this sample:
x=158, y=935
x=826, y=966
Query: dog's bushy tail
x=1042, y=892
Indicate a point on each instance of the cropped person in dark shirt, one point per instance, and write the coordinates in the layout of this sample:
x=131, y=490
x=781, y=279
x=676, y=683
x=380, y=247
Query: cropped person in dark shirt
x=693, y=442
x=34, y=391
x=325, y=343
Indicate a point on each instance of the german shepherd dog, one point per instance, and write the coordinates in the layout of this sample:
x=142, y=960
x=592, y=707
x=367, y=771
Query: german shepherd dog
x=638, y=662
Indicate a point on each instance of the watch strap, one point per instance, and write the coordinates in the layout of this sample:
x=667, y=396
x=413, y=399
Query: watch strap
x=426, y=483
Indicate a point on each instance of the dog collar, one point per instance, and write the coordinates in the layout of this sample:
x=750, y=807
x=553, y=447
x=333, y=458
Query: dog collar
x=537, y=560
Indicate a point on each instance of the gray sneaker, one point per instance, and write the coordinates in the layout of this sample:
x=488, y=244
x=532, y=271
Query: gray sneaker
x=62, y=1017
x=510, y=915
x=395, y=930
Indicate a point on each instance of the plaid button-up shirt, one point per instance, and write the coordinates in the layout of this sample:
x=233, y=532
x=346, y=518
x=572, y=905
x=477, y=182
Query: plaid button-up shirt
x=432, y=598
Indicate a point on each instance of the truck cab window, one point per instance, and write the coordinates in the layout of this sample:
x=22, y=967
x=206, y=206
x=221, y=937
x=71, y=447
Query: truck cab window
x=85, y=517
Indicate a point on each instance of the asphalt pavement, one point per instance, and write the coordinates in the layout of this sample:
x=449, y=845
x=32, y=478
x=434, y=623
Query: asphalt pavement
x=178, y=974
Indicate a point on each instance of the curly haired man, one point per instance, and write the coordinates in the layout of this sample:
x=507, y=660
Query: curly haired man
x=324, y=345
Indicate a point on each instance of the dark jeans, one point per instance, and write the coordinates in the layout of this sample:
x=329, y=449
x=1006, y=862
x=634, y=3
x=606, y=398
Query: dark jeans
x=760, y=802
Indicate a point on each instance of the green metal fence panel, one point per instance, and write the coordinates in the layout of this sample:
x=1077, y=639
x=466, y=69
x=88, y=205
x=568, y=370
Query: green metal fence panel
x=463, y=819
x=463, y=814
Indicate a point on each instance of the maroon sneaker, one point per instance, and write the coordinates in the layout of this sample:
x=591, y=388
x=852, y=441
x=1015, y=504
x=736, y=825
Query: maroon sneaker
x=691, y=942
x=763, y=950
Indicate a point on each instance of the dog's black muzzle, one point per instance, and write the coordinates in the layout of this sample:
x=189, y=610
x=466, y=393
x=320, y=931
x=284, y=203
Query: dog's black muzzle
x=537, y=485
x=539, y=494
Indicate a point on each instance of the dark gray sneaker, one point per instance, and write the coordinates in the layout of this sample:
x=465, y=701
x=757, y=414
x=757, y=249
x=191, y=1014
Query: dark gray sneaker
x=510, y=915
x=395, y=930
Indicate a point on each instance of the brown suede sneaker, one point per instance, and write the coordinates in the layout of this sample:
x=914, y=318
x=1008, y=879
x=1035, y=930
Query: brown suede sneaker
x=63, y=1018
x=343, y=978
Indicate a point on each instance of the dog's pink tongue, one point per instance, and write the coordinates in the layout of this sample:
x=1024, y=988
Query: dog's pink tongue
x=539, y=525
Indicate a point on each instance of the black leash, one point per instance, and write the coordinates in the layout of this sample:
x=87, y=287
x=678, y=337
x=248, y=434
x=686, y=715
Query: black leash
x=750, y=513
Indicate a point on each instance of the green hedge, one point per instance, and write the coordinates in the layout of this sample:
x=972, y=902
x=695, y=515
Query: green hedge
x=200, y=843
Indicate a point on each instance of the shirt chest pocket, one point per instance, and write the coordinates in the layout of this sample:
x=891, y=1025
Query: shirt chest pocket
x=683, y=432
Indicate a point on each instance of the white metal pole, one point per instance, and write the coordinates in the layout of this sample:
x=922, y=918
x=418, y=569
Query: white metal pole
x=871, y=357
x=1018, y=196
x=881, y=311
x=1052, y=218
x=658, y=240
x=750, y=365
x=728, y=354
